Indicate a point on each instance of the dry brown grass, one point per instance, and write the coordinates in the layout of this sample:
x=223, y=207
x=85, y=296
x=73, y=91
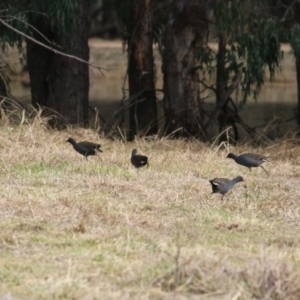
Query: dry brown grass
x=100, y=229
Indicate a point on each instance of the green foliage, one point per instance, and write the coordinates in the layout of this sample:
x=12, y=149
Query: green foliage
x=252, y=44
x=59, y=15
x=206, y=58
x=259, y=48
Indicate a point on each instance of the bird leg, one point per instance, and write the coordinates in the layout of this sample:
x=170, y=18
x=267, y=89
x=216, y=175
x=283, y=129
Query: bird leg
x=265, y=170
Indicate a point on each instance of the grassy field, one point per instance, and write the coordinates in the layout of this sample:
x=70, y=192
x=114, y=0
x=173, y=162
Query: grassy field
x=100, y=229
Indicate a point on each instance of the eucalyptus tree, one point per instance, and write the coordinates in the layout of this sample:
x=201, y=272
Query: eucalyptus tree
x=58, y=83
x=248, y=45
x=184, y=31
x=287, y=15
x=137, y=34
x=248, y=42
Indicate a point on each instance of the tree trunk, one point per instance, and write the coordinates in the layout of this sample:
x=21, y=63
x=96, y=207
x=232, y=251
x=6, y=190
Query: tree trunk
x=60, y=83
x=298, y=89
x=143, y=112
x=221, y=80
x=182, y=109
x=39, y=60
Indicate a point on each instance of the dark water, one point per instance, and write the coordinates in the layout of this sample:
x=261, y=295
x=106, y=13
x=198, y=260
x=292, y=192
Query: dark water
x=271, y=114
x=275, y=105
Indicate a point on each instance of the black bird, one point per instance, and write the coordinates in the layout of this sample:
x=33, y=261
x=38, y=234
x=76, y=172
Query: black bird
x=138, y=160
x=85, y=148
x=223, y=185
x=249, y=160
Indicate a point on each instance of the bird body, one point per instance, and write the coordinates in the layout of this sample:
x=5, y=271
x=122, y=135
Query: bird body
x=249, y=160
x=90, y=145
x=224, y=185
x=85, y=148
x=138, y=160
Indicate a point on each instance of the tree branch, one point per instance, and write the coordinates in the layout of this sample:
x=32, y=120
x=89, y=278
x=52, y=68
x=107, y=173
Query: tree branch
x=223, y=101
x=54, y=50
x=210, y=87
x=288, y=9
x=37, y=31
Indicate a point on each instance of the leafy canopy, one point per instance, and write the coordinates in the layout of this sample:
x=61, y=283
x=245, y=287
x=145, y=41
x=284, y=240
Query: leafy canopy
x=253, y=43
x=27, y=15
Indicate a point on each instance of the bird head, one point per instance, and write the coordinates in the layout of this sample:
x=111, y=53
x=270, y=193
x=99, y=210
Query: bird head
x=134, y=152
x=230, y=155
x=240, y=178
x=70, y=140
